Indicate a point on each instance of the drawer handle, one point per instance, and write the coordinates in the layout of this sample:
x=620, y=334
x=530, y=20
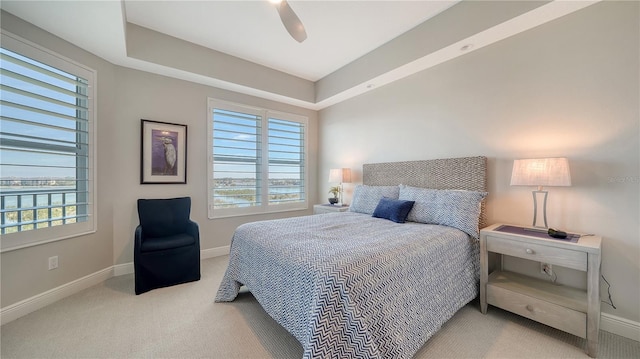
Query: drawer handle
x=529, y=307
x=529, y=251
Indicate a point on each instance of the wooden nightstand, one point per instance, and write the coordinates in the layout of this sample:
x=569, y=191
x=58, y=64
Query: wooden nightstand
x=328, y=208
x=569, y=309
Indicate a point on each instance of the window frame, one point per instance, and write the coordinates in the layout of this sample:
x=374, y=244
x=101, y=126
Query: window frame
x=38, y=236
x=264, y=207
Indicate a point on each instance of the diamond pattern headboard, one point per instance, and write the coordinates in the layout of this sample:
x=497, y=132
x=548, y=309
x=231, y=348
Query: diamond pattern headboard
x=468, y=173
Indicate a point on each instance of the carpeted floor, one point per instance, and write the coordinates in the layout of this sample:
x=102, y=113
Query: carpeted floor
x=109, y=321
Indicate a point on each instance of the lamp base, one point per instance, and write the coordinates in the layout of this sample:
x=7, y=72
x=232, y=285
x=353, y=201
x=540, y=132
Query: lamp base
x=543, y=195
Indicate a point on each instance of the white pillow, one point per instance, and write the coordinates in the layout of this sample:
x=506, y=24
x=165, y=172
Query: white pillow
x=366, y=198
x=454, y=208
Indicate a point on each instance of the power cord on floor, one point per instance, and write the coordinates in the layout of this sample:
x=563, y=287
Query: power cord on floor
x=610, y=302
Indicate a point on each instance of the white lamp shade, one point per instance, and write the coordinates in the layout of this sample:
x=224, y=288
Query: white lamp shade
x=340, y=175
x=541, y=172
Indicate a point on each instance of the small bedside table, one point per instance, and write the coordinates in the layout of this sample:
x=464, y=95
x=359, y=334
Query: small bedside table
x=328, y=208
x=569, y=309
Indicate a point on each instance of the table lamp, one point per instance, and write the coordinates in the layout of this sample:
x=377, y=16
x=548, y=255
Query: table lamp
x=340, y=175
x=541, y=172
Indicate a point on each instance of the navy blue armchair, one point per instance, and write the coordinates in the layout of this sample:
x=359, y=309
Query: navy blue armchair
x=167, y=244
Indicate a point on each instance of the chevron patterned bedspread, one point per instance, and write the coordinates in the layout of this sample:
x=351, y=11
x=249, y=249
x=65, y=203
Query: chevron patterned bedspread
x=348, y=285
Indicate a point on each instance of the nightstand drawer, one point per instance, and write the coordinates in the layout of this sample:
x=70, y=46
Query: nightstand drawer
x=538, y=252
x=553, y=315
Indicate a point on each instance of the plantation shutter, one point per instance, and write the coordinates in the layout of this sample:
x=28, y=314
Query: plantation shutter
x=286, y=161
x=257, y=163
x=237, y=158
x=45, y=143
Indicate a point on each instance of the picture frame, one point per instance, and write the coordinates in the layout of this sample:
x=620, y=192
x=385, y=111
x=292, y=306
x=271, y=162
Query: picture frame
x=163, y=152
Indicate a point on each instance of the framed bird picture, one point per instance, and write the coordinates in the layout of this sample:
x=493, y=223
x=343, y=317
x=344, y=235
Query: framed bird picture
x=163, y=153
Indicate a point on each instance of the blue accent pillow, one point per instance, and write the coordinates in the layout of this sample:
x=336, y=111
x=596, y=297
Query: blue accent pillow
x=393, y=209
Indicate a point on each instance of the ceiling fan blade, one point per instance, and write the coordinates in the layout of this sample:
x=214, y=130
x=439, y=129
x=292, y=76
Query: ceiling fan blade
x=291, y=21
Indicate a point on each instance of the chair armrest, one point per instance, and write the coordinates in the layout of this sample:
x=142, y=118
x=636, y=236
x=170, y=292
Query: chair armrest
x=138, y=238
x=193, y=230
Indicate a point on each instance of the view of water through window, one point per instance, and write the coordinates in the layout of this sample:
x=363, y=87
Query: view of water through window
x=238, y=192
x=239, y=151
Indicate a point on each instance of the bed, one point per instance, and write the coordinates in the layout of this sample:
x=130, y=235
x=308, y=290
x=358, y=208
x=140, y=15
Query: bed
x=358, y=285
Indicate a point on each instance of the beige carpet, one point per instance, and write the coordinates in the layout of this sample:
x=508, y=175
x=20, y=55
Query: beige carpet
x=109, y=321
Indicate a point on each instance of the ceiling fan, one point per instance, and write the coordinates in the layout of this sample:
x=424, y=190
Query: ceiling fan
x=290, y=20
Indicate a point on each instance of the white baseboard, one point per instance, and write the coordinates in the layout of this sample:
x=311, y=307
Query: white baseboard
x=620, y=326
x=122, y=269
x=24, y=307
x=214, y=252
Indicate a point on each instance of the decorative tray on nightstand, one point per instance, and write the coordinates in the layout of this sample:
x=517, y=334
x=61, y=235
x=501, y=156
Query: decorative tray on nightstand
x=533, y=232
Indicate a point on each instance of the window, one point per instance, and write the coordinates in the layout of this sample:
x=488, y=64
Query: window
x=258, y=162
x=46, y=145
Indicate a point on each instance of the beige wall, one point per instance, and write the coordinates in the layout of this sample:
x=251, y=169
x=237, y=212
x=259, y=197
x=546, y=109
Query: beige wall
x=567, y=88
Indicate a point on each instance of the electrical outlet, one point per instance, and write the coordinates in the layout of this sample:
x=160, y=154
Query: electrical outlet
x=546, y=268
x=53, y=262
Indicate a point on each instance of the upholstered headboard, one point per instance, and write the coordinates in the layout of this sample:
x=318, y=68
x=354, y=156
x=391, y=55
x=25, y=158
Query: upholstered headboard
x=468, y=173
